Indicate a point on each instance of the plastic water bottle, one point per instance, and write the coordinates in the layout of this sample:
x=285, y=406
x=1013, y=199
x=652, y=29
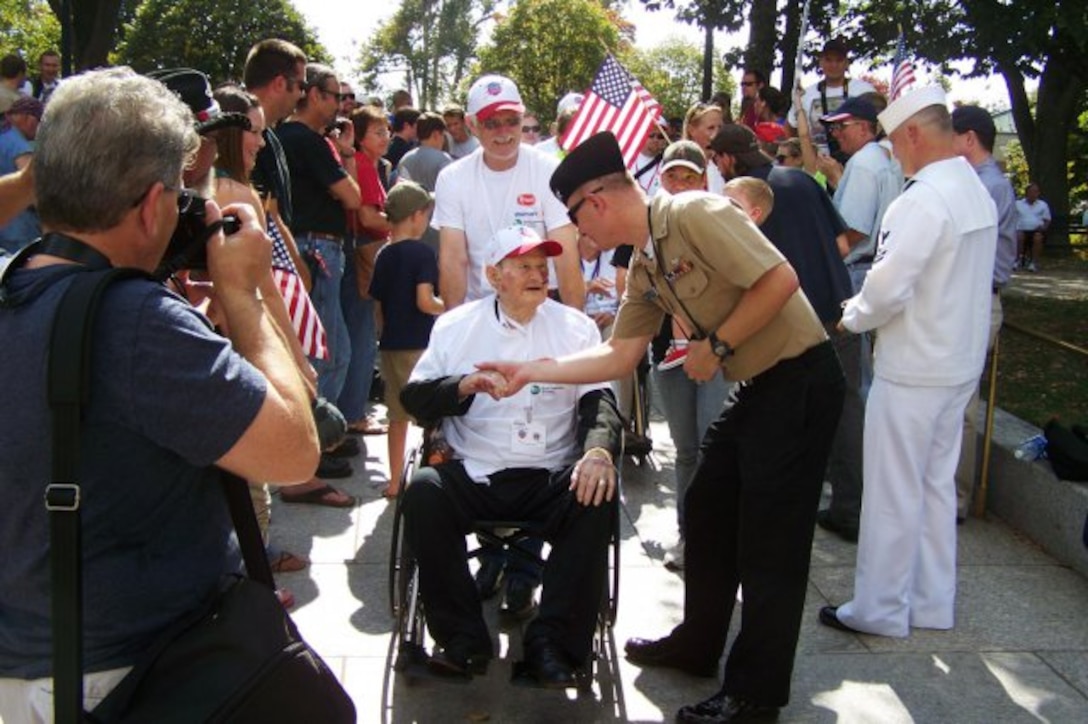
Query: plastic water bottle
x=1031, y=449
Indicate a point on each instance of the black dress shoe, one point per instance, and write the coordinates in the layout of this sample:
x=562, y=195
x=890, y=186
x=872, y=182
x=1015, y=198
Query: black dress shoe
x=331, y=467
x=724, y=708
x=848, y=533
x=489, y=576
x=829, y=617
x=454, y=663
x=668, y=653
x=546, y=665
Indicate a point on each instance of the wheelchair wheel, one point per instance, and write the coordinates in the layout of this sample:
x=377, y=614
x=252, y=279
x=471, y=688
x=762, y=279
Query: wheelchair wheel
x=396, y=553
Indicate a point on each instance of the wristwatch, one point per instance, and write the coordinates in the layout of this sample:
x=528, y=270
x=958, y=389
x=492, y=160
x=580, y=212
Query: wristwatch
x=720, y=348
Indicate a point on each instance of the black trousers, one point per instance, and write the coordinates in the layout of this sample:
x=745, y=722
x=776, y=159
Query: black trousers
x=749, y=517
x=440, y=505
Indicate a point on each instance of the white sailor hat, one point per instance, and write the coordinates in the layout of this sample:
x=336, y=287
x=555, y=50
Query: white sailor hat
x=910, y=103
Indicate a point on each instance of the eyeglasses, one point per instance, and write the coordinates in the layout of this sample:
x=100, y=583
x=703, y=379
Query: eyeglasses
x=832, y=127
x=494, y=124
x=530, y=129
x=380, y=132
x=335, y=94
x=572, y=212
x=747, y=83
x=347, y=96
x=782, y=157
x=186, y=197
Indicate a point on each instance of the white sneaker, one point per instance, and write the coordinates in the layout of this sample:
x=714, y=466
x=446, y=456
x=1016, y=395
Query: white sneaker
x=1031, y=267
x=674, y=557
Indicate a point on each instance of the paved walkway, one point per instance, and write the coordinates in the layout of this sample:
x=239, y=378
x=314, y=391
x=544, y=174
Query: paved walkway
x=1018, y=653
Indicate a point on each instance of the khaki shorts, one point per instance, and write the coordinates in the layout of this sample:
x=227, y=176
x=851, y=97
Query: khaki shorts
x=396, y=367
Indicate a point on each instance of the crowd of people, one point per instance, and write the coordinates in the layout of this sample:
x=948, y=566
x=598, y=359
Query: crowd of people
x=812, y=286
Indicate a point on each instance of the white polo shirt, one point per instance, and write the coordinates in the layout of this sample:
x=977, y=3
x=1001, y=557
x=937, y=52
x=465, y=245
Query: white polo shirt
x=484, y=437
x=471, y=197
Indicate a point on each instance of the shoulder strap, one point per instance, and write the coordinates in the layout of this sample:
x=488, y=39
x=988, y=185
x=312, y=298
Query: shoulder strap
x=69, y=368
x=68, y=390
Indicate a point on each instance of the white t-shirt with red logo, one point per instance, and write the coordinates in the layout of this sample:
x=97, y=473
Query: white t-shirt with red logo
x=471, y=197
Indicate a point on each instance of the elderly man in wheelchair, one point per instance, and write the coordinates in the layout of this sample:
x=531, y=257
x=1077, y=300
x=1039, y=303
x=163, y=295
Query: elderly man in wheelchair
x=544, y=456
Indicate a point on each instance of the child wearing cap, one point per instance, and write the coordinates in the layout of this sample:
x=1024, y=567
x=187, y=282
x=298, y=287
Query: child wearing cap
x=403, y=288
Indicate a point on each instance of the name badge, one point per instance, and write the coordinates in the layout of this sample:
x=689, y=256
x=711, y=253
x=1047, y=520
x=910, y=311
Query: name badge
x=528, y=437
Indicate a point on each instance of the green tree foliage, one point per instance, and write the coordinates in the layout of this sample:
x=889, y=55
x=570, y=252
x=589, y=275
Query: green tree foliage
x=432, y=42
x=1020, y=41
x=551, y=47
x=673, y=72
x=210, y=35
x=711, y=15
x=28, y=27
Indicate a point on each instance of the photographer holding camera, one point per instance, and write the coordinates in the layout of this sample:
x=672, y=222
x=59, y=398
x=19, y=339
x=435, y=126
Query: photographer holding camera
x=169, y=399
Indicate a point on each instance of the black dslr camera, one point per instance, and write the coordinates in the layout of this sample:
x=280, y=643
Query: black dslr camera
x=188, y=247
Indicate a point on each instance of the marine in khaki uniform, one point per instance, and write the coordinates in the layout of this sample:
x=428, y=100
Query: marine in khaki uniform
x=751, y=507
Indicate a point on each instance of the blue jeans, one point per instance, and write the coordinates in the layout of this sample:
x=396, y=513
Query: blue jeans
x=326, y=298
x=362, y=332
x=689, y=409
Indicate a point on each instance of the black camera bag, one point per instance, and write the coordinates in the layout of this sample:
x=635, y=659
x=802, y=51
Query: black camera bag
x=239, y=660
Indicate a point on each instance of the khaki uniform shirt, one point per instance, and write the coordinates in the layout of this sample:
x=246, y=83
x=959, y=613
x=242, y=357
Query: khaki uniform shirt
x=711, y=253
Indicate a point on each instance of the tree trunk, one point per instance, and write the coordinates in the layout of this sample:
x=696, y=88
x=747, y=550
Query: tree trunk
x=763, y=37
x=789, y=43
x=708, y=60
x=94, y=24
x=1061, y=88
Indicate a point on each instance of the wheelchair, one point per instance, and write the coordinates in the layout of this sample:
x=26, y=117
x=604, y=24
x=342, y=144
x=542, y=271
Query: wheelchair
x=409, y=646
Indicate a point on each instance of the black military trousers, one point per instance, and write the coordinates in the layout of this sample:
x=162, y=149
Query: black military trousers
x=749, y=518
x=440, y=506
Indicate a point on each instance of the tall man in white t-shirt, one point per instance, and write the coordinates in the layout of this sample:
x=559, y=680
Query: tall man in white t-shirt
x=500, y=184
x=825, y=96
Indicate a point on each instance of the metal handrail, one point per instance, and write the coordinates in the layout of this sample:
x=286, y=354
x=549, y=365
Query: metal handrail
x=991, y=402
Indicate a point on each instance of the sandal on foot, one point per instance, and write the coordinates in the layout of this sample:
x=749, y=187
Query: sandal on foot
x=286, y=562
x=325, y=495
x=368, y=426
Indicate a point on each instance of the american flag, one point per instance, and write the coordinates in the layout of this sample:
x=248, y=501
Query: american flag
x=308, y=327
x=615, y=102
x=902, y=71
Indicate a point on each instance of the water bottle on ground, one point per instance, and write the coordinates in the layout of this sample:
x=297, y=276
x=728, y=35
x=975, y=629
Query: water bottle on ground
x=1033, y=448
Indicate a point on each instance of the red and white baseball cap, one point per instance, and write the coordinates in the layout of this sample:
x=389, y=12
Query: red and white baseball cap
x=491, y=94
x=517, y=241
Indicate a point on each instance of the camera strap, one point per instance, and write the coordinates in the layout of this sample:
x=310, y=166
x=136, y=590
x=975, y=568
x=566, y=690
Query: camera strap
x=53, y=244
x=66, y=247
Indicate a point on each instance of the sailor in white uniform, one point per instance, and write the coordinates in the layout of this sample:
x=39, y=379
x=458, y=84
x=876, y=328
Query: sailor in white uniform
x=928, y=296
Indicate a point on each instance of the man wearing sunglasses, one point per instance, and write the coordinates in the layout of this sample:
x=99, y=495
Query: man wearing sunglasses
x=870, y=182
x=323, y=195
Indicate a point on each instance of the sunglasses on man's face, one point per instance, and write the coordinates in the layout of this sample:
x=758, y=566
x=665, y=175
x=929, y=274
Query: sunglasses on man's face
x=530, y=129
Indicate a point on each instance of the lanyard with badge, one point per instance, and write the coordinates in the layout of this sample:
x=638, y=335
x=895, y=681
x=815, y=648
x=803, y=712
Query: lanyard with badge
x=527, y=436
x=653, y=292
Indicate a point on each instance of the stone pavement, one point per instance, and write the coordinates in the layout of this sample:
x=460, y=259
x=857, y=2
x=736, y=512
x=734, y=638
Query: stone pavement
x=1018, y=653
